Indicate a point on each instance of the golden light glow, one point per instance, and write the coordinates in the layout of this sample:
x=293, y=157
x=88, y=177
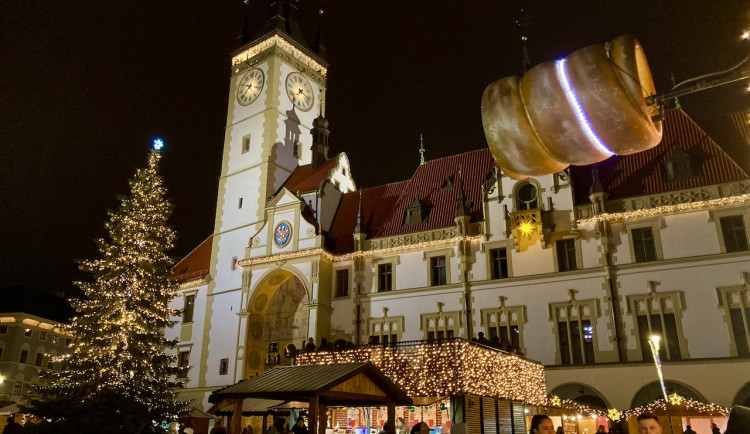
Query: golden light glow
x=667, y=209
x=526, y=228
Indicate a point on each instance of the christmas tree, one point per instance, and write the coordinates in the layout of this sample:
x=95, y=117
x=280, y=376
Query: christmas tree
x=120, y=374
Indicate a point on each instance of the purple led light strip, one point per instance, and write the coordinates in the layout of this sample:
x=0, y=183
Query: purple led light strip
x=583, y=121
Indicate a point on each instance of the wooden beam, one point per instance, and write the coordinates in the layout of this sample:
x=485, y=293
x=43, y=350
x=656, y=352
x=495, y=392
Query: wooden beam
x=322, y=418
x=391, y=417
x=235, y=423
x=312, y=423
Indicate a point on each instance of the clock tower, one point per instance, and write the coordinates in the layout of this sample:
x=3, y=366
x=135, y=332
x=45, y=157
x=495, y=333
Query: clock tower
x=275, y=88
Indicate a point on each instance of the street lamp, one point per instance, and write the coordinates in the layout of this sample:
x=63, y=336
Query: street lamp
x=653, y=342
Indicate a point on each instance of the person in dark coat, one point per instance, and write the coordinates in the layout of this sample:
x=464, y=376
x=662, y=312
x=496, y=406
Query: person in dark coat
x=299, y=427
x=12, y=427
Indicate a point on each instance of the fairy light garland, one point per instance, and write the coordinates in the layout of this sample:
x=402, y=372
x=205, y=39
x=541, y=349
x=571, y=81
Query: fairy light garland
x=667, y=209
x=285, y=45
x=446, y=368
x=555, y=401
x=119, y=344
x=424, y=245
x=675, y=400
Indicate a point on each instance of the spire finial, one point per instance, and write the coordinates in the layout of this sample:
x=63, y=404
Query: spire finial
x=421, y=149
x=359, y=227
x=321, y=106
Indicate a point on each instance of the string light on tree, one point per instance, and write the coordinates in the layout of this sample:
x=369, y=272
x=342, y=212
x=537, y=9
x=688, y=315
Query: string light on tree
x=119, y=358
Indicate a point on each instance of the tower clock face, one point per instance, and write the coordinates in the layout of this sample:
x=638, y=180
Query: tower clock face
x=250, y=86
x=299, y=91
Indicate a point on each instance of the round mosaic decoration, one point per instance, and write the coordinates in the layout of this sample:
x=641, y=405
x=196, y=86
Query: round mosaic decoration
x=282, y=234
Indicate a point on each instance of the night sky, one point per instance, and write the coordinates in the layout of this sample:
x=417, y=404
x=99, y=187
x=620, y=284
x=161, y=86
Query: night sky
x=85, y=86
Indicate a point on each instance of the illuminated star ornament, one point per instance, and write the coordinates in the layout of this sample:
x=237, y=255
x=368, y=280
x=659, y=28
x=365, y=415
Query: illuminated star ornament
x=526, y=227
x=158, y=144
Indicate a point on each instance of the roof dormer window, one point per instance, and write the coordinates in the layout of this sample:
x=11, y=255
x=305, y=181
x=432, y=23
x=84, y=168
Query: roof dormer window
x=416, y=213
x=682, y=166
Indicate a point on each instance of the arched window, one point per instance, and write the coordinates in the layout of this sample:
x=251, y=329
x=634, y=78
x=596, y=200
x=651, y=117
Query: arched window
x=527, y=196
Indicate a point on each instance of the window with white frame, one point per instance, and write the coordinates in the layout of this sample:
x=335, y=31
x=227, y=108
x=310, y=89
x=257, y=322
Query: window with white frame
x=659, y=314
x=438, y=271
x=731, y=228
x=188, y=308
x=342, y=283
x=387, y=330
x=504, y=325
x=575, y=322
x=735, y=300
x=645, y=239
x=441, y=325
x=566, y=254
x=734, y=233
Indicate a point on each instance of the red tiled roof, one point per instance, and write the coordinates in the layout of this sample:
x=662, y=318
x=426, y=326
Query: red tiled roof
x=642, y=174
x=377, y=203
x=427, y=183
x=196, y=264
x=305, y=178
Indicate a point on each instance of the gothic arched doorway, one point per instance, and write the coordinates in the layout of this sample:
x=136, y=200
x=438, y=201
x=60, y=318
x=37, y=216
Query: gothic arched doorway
x=277, y=316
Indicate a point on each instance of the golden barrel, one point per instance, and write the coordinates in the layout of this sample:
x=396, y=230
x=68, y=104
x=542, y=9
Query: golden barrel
x=578, y=110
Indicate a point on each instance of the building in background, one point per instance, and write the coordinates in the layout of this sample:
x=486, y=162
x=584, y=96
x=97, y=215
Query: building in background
x=30, y=329
x=575, y=269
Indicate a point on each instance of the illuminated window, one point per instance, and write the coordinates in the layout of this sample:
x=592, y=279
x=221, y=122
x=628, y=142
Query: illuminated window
x=499, y=263
x=55, y=339
x=187, y=313
x=24, y=356
x=42, y=335
x=644, y=247
x=27, y=333
x=438, y=271
x=342, y=283
x=385, y=277
x=734, y=234
x=223, y=366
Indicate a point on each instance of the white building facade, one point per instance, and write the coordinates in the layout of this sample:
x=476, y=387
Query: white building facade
x=574, y=269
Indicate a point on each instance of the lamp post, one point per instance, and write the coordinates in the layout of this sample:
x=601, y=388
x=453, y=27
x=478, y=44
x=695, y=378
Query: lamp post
x=653, y=342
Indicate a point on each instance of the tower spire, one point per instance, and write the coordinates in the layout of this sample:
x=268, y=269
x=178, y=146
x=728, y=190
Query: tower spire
x=359, y=228
x=421, y=149
x=523, y=24
x=463, y=207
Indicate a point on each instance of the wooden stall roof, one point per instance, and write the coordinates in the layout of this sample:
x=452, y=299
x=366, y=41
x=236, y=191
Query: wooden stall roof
x=349, y=384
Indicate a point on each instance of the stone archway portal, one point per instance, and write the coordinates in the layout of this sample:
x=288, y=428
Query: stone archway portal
x=277, y=317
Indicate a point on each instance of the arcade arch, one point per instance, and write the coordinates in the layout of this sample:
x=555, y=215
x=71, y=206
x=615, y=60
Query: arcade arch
x=582, y=394
x=652, y=391
x=277, y=317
